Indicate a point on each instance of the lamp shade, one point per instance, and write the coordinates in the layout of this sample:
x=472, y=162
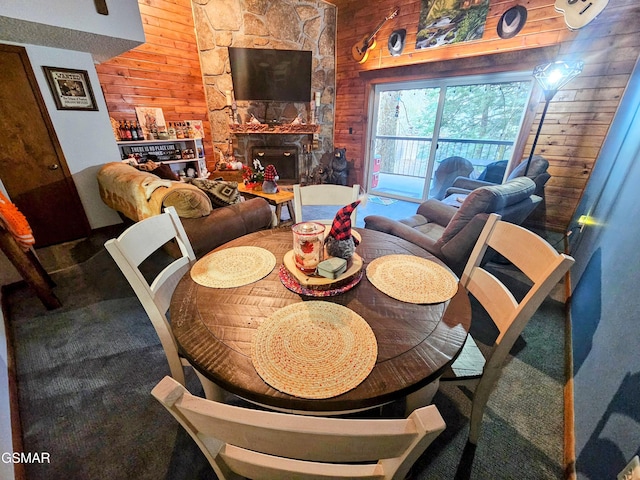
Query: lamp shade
x=553, y=76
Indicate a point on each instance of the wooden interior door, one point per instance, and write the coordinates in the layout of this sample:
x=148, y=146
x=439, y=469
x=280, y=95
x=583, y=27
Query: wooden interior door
x=32, y=166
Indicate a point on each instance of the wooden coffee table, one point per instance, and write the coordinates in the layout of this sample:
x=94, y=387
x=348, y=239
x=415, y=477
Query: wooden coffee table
x=214, y=329
x=276, y=199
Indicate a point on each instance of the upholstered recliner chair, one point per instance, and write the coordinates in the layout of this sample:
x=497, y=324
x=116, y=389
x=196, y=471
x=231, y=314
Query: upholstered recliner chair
x=537, y=172
x=450, y=232
x=448, y=170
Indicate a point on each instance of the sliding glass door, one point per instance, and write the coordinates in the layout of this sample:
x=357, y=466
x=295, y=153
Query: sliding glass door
x=416, y=125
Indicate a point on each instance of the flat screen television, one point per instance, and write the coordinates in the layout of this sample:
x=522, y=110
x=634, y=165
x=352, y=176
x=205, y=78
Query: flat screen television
x=270, y=75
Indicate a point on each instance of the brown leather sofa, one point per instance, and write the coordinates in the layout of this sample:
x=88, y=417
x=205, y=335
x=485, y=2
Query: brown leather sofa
x=137, y=195
x=450, y=233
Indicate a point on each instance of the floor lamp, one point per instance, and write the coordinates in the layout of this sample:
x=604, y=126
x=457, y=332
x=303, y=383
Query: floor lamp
x=552, y=77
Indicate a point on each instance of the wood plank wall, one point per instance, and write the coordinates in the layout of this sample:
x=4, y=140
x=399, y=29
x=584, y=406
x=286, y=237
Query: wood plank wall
x=164, y=72
x=578, y=117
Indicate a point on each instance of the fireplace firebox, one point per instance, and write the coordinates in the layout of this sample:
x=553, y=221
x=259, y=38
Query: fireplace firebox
x=284, y=158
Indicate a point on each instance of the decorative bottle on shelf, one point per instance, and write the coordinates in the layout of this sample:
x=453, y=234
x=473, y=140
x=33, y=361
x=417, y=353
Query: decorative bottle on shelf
x=172, y=131
x=139, y=131
x=190, y=130
x=121, y=132
x=133, y=130
x=127, y=132
x=179, y=131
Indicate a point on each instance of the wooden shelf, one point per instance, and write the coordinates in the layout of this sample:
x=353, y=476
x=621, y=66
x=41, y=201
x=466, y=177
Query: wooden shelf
x=263, y=128
x=164, y=150
x=123, y=143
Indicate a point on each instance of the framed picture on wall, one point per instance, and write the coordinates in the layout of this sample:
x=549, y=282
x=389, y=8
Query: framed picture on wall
x=151, y=119
x=70, y=88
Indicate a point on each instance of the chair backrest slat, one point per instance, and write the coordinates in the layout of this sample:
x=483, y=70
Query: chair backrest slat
x=280, y=441
x=145, y=237
x=250, y=464
x=324, y=195
x=530, y=253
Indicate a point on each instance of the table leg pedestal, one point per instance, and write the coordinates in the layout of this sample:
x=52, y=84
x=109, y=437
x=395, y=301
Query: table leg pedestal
x=211, y=391
x=422, y=397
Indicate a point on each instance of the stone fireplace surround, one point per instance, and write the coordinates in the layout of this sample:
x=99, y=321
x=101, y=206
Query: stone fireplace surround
x=279, y=24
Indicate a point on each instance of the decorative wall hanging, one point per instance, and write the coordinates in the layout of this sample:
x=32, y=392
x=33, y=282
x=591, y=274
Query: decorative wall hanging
x=512, y=22
x=578, y=13
x=70, y=88
x=361, y=49
x=396, y=42
x=442, y=24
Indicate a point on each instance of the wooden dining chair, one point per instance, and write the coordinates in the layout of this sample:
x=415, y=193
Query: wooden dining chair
x=130, y=250
x=544, y=267
x=324, y=195
x=245, y=443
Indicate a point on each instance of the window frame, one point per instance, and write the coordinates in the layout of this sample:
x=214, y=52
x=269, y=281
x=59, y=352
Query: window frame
x=442, y=82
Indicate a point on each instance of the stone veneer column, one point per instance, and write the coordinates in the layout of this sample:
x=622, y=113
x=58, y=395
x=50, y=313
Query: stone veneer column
x=280, y=24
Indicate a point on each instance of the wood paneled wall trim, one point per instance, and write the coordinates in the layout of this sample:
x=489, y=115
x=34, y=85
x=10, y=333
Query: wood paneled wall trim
x=163, y=72
x=490, y=63
x=578, y=118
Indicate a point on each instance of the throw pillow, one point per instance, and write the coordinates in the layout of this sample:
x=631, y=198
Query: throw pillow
x=220, y=192
x=189, y=203
x=165, y=172
x=159, y=169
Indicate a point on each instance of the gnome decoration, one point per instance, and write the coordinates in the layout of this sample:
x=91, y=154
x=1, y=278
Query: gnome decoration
x=269, y=184
x=339, y=241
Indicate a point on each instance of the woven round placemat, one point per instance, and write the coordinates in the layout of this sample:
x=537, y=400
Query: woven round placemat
x=314, y=349
x=233, y=267
x=412, y=279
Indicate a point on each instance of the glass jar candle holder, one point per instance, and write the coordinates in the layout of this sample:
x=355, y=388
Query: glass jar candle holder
x=308, y=245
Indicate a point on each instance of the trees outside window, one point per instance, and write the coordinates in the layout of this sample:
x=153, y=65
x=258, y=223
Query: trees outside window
x=418, y=124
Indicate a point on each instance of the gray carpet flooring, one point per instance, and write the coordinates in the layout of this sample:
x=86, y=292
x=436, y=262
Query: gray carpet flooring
x=84, y=374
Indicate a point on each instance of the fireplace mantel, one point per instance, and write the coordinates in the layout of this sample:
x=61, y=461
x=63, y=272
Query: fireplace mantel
x=264, y=128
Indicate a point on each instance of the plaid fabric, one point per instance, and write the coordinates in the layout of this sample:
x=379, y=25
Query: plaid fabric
x=270, y=173
x=341, y=226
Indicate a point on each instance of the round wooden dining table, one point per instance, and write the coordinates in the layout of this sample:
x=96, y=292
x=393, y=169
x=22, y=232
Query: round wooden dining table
x=214, y=328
